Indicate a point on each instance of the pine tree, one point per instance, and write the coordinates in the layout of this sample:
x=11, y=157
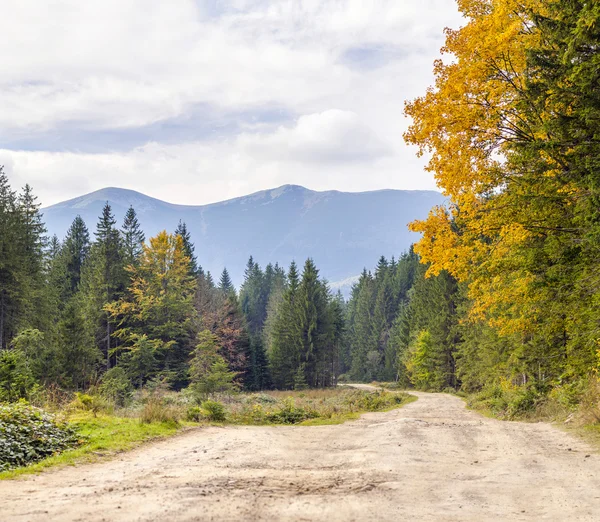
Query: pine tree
x=209, y=279
x=23, y=301
x=53, y=249
x=188, y=247
x=337, y=332
x=74, y=252
x=433, y=338
x=132, y=237
x=283, y=335
x=254, y=295
x=10, y=261
x=225, y=284
x=104, y=280
x=140, y=359
x=366, y=358
x=35, y=312
x=78, y=355
x=209, y=373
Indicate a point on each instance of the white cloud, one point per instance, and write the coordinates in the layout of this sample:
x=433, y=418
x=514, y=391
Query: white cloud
x=126, y=64
x=327, y=137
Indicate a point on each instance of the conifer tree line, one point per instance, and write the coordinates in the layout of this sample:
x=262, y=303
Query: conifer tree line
x=111, y=307
x=403, y=326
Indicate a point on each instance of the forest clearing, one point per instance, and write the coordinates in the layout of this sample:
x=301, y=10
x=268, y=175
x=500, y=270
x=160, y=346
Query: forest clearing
x=430, y=460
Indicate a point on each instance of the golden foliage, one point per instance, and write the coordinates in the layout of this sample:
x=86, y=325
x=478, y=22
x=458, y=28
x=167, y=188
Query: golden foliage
x=467, y=125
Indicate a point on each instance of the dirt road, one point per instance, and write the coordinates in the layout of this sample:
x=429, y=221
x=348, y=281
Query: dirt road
x=431, y=460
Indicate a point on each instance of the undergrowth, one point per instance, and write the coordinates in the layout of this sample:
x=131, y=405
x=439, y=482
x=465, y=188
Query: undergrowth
x=97, y=426
x=29, y=434
x=575, y=402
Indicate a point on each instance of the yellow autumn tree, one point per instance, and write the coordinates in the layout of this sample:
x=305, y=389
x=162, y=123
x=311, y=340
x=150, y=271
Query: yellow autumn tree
x=470, y=124
x=159, y=305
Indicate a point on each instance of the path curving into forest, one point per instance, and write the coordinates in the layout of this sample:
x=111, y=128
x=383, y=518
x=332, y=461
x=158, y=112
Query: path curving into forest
x=431, y=460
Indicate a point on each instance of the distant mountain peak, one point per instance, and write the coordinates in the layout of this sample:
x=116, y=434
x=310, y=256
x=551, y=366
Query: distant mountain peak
x=342, y=231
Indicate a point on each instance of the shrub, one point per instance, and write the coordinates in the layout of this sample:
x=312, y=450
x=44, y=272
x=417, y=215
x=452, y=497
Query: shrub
x=214, y=411
x=522, y=401
x=290, y=414
x=194, y=414
x=116, y=386
x=28, y=434
x=155, y=410
x=263, y=398
x=589, y=407
x=16, y=379
x=87, y=402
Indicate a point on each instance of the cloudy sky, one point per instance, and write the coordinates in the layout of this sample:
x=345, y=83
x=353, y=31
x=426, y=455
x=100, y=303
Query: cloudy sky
x=195, y=101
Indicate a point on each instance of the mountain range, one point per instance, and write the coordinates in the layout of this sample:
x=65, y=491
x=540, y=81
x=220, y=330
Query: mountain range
x=342, y=231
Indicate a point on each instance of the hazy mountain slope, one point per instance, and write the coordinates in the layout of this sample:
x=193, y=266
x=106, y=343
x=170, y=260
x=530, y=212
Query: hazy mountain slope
x=342, y=231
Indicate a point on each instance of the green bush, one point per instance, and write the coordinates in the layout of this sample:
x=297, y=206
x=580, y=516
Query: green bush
x=28, y=434
x=523, y=401
x=16, y=379
x=510, y=402
x=373, y=401
x=155, y=410
x=214, y=411
x=91, y=403
x=290, y=414
x=194, y=414
x=262, y=398
x=116, y=386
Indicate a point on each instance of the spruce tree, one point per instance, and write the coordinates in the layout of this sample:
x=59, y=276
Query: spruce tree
x=74, y=252
x=10, y=261
x=366, y=357
x=283, y=335
x=225, y=284
x=104, y=280
x=254, y=295
x=188, y=247
x=132, y=237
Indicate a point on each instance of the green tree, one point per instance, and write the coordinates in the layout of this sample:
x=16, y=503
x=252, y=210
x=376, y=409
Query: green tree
x=209, y=373
x=254, y=297
x=104, y=281
x=16, y=378
x=140, y=359
x=225, y=283
x=10, y=261
x=78, y=356
x=69, y=263
x=132, y=238
x=160, y=304
x=188, y=247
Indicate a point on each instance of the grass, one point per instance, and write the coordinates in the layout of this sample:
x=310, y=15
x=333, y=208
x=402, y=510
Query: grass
x=575, y=408
x=104, y=435
x=345, y=417
x=310, y=407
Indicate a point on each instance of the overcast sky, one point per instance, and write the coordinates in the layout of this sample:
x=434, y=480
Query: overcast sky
x=195, y=101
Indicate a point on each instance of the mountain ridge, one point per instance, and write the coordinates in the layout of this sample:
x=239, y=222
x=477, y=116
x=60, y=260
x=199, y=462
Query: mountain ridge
x=342, y=231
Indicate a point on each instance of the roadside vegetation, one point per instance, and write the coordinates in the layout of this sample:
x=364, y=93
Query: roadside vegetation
x=92, y=426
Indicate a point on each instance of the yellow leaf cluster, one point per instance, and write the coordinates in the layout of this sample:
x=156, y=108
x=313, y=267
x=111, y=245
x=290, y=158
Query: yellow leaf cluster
x=466, y=124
